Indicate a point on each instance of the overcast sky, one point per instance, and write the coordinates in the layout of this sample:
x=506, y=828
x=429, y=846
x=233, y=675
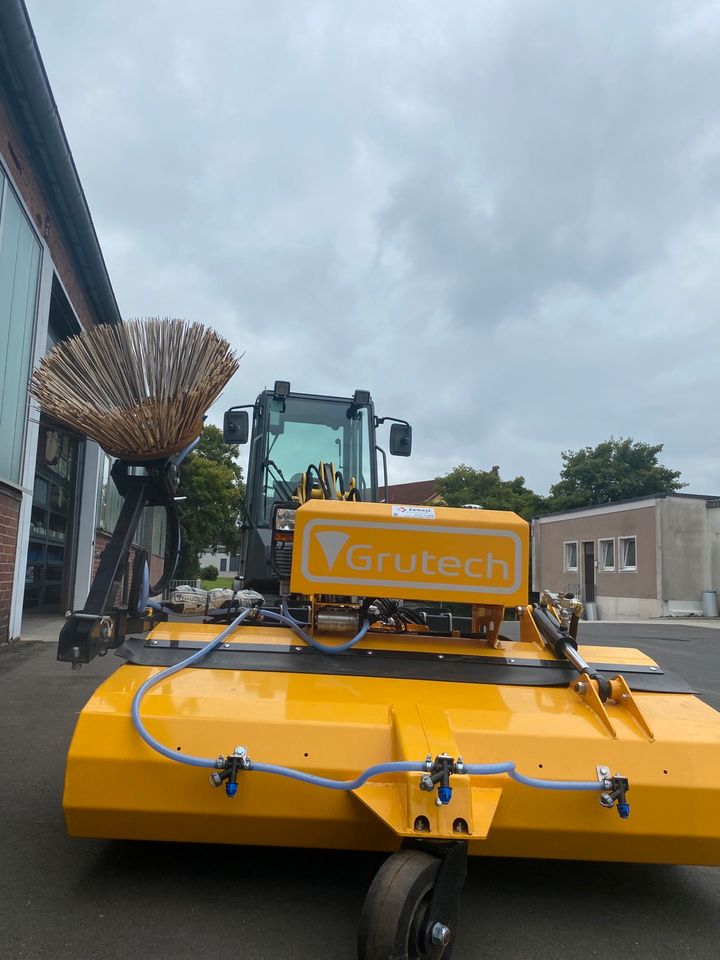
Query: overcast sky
x=503, y=218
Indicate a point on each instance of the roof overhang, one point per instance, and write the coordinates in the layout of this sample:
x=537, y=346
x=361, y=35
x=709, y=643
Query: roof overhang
x=34, y=111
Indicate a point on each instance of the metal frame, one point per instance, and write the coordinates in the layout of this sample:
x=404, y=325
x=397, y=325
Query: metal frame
x=100, y=625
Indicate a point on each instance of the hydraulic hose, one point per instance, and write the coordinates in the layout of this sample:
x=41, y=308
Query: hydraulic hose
x=169, y=672
x=312, y=641
x=509, y=768
x=286, y=613
x=395, y=766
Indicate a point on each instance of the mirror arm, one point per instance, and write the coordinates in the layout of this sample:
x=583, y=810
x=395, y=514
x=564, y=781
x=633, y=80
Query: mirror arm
x=380, y=420
x=384, y=460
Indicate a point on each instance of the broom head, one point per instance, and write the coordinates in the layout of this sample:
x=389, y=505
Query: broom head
x=141, y=389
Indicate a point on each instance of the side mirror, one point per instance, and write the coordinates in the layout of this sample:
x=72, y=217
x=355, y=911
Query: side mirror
x=401, y=440
x=236, y=426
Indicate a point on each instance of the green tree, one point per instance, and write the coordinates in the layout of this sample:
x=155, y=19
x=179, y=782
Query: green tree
x=465, y=485
x=211, y=481
x=617, y=469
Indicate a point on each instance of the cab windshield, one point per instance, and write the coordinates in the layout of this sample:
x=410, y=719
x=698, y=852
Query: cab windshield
x=303, y=431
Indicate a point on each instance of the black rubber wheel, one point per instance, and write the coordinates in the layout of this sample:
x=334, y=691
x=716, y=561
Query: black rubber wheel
x=394, y=917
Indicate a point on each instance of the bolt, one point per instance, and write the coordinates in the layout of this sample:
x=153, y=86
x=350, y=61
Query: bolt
x=511, y=660
x=653, y=668
x=298, y=649
x=153, y=643
x=604, y=771
x=440, y=935
x=441, y=656
x=369, y=652
x=226, y=646
x=580, y=687
x=239, y=751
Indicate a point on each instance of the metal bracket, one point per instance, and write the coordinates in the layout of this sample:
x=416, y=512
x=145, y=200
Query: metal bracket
x=621, y=694
x=586, y=689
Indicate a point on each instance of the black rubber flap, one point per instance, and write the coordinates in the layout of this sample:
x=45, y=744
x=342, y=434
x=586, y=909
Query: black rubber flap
x=393, y=664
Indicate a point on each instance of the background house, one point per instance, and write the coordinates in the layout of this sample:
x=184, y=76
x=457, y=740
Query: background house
x=56, y=500
x=418, y=492
x=650, y=557
x=228, y=564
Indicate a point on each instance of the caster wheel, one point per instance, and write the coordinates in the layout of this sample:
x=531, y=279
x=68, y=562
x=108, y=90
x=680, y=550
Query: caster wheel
x=394, y=923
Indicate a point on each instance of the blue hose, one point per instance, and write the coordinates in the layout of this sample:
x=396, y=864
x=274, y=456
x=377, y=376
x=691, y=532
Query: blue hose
x=310, y=640
x=163, y=675
x=286, y=613
x=555, y=784
x=395, y=766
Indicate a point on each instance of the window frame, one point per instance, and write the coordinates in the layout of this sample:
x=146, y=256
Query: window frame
x=621, y=566
x=14, y=477
x=566, y=566
x=602, y=567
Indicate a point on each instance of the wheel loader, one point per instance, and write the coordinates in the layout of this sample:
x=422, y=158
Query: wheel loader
x=339, y=707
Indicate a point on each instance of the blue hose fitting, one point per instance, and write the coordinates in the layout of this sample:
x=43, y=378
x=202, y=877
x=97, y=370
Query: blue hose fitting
x=615, y=796
x=231, y=788
x=444, y=795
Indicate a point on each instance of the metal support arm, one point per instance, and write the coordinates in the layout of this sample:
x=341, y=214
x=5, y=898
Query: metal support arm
x=101, y=625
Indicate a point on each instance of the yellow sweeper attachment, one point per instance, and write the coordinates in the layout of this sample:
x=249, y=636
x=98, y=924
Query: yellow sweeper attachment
x=362, y=728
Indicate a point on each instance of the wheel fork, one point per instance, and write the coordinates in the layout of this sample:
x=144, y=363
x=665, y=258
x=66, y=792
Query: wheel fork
x=446, y=892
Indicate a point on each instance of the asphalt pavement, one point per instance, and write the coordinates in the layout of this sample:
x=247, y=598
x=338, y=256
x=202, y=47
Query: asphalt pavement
x=64, y=899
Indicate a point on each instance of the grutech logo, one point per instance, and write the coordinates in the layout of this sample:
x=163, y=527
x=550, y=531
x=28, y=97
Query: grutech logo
x=410, y=559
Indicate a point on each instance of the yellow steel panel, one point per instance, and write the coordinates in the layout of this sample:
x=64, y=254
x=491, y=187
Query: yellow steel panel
x=336, y=726
x=421, y=553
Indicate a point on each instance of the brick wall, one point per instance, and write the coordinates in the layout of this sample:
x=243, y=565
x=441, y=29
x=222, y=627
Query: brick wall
x=9, y=516
x=17, y=162
x=103, y=539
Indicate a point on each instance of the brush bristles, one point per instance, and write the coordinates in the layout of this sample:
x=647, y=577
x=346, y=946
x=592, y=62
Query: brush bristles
x=140, y=388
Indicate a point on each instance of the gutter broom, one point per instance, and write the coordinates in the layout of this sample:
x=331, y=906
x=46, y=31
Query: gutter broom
x=140, y=389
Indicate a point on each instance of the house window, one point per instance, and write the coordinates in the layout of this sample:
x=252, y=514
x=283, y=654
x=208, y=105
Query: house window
x=570, y=556
x=627, y=548
x=223, y=564
x=606, y=550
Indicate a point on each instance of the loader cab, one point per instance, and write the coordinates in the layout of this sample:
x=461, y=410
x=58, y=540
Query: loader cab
x=291, y=431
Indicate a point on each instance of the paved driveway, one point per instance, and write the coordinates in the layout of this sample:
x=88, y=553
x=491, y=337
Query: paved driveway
x=63, y=899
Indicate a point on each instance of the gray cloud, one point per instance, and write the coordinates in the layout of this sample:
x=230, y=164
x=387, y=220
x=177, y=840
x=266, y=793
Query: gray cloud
x=503, y=219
